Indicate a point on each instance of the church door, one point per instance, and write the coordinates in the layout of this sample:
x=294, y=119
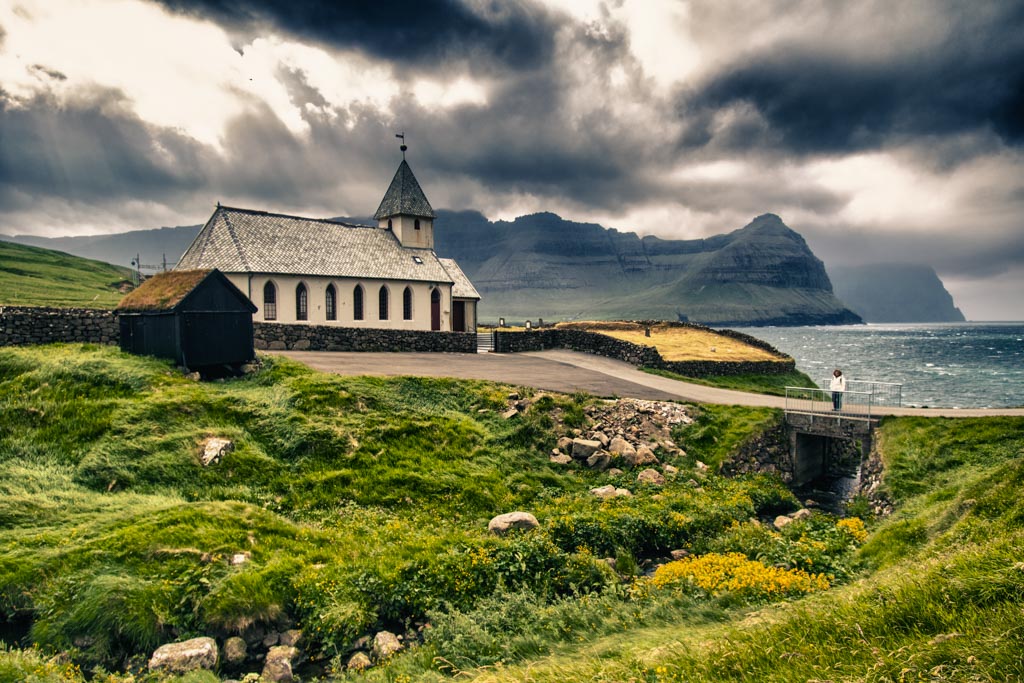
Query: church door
x=435, y=310
x=459, y=316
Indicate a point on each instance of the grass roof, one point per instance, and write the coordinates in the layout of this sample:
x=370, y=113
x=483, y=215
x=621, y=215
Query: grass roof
x=163, y=291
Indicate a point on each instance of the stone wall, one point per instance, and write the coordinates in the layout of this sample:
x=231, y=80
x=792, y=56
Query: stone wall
x=277, y=336
x=636, y=354
x=22, y=325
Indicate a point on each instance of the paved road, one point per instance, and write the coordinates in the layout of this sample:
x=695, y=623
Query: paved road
x=568, y=371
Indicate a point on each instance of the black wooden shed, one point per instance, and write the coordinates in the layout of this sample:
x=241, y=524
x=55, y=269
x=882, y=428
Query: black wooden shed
x=196, y=317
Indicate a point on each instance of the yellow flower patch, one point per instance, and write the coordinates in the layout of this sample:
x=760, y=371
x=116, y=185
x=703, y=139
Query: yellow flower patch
x=733, y=572
x=855, y=527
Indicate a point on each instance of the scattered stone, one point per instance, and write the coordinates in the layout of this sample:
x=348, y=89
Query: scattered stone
x=565, y=444
x=385, y=644
x=514, y=396
x=802, y=513
x=604, y=492
x=602, y=437
x=359, y=662
x=782, y=520
x=213, y=449
x=194, y=376
x=693, y=483
x=642, y=456
x=510, y=413
x=278, y=667
x=363, y=643
x=235, y=651
x=560, y=459
x=584, y=448
x=650, y=476
x=700, y=466
x=810, y=503
x=185, y=656
x=239, y=559
x=599, y=461
x=272, y=639
x=291, y=637
x=623, y=492
x=669, y=469
x=679, y=554
x=501, y=525
x=577, y=432
x=619, y=446
x=614, y=472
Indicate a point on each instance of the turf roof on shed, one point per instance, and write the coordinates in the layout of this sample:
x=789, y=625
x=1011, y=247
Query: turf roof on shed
x=163, y=291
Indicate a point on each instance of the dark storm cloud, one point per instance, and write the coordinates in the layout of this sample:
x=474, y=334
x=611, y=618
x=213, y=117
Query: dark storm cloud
x=816, y=98
x=519, y=35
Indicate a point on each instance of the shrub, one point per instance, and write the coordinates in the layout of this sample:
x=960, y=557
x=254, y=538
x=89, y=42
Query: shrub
x=714, y=574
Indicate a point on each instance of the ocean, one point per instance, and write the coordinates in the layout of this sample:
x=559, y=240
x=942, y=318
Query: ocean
x=949, y=365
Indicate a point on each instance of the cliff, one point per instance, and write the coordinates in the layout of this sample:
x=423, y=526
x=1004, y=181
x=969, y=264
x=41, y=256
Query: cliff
x=895, y=292
x=544, y=266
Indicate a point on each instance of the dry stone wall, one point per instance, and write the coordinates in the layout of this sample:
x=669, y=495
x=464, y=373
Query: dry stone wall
x=276, y=336
x=23, y=325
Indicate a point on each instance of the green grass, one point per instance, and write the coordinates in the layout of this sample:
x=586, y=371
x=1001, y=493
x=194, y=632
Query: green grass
x=774, y=385
x=718, y=431
x=31, y=276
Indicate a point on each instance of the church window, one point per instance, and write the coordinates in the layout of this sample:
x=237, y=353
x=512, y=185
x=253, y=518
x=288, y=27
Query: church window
x=407, y=304
x=301, y=303
x=416, y=224
x=357, y=303
x=331, y=303
x=269, y=301
x=383, y=301
x=390, y=227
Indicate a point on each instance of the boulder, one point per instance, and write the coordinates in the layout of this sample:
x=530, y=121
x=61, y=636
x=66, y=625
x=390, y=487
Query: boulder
x=599, y=460
x=650, y=476
x=560, y=459
x=802, y=513
x=614, y=472
x=642, y=455
x=619, y=446
x=214, y=448
x=602, y=437
x=701, y=467
x=359, y=662
x=623, y=492
x=679, y=554
x=385, y=644
x=781, y=521
x=604, y=491
x=278, y=666
x=291, y=637
x=502, y=524
x=235, y=651
x=584, y=448
x=669, y=469
x=185, y=656
x=564, y=444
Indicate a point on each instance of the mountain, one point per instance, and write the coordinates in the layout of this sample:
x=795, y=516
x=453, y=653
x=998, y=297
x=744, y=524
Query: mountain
x=544, y=266
x=895, y=292
x=30, y=276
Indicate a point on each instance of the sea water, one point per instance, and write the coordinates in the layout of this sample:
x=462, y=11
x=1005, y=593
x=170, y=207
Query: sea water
x=950, y=365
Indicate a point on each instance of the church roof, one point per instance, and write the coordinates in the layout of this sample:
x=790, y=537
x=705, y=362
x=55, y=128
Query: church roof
x=404, y=196
x=462, y=287
x=245, y=241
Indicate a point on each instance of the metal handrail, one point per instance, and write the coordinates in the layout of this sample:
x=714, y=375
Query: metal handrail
x=854, y=405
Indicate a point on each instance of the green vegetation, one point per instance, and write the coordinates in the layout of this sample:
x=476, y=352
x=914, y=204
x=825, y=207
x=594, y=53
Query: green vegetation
x=760, y=384
x=30, y=276
x=362, y=503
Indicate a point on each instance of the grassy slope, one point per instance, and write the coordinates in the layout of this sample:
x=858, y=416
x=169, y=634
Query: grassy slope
x=30, y=276
x=761, y=384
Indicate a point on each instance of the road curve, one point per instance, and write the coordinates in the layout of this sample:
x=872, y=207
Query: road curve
x=569, y=371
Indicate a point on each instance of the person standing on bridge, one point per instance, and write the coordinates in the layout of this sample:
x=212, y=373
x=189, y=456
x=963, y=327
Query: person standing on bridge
x=838, y=386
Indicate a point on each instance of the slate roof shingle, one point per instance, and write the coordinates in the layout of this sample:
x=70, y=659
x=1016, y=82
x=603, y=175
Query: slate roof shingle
x=404, y=196
x=462, y=287
x=245, y=241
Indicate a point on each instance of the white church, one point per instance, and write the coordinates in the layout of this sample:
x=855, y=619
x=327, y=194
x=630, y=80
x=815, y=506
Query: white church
x=322, y=272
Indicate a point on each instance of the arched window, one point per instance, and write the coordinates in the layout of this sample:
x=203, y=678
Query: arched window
x=390, y=227
x=357, y=303
x=407, y=304
x=416, y=224
x=330, y=299
x=269, y=301
x=301, y=303
x=382, y=298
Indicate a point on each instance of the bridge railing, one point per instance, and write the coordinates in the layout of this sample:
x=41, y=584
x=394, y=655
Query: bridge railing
x=851, y=404
x=885, y=393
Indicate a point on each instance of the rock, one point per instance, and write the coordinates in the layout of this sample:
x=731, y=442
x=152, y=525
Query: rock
x=641, y=456
x=669, y=469
x=291, y=637
x=619, y=446
x=701, y=467
x=510, y=413
x=363, y=643
x=693, y=483
x=194, y=376
x=604, y=492
x=810, y=503
x=278, y=667
x=614, y=472
x=185, y=656
x=385, y=644
x=679, y=554
x=584, y=448
x=782, y=520
x=213, y=448
x=514, y=396
x=271, y=639
x=802, y=513
x=565, y=444
x=602, y=437
x=623, y=492
x=239, y=558
x=235, y=651
x=359, y=662
x=650, y=476
x=502, y=524
x=599, y=461
x=560, y=459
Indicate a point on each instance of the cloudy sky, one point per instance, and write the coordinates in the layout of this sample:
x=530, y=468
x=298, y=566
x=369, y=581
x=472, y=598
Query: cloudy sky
x=880, y=130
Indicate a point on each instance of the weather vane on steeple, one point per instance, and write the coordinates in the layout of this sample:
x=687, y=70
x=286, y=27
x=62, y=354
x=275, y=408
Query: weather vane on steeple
x=403, y=147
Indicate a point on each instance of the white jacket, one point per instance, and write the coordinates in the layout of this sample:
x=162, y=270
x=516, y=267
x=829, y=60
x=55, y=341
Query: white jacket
x=838, y=383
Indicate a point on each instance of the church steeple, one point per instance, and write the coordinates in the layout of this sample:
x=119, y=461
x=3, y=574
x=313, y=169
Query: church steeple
x=405, y=209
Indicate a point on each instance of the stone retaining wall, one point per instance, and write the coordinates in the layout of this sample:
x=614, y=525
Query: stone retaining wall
x=641, y=356
x=277, y=336
x=23, y=325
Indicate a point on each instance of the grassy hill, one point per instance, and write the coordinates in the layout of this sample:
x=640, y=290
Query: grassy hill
x=31, y=276
x=362, y=503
